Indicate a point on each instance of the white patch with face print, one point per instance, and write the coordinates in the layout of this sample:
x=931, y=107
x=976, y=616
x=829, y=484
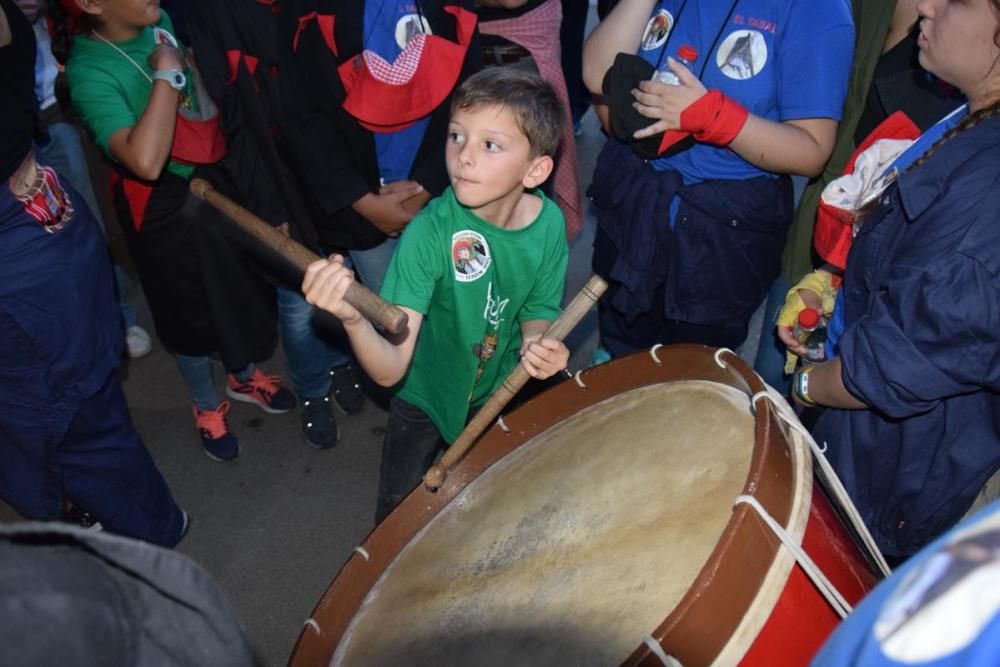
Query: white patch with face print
x=657, y=30
x=470, y=255
x=408, y=27
x=742, y=55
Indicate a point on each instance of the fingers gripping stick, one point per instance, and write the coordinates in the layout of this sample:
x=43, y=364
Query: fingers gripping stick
x=369, y=304
x=569, y=318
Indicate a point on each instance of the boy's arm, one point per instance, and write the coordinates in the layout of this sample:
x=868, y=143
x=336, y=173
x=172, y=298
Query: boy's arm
x=386, y=360
x=541, y=357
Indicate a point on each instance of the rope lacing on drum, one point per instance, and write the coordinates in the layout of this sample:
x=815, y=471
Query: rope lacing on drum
x=652, y=353
x=363, y=553
x=313, y=624
x=826, y=588
x=819, y=456
x=718, y=356
x=657, y=650
x=503, y=425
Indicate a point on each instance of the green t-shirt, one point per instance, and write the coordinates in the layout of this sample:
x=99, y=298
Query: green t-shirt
x=109, y=92
x=474, y=283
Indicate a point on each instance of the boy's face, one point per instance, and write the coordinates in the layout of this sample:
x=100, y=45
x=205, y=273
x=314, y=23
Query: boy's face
x=489, y=160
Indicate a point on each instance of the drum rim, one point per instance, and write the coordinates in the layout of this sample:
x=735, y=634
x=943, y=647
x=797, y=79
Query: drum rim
x=730, y=636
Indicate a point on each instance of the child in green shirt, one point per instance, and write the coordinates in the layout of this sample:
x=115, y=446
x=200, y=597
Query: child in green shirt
x=480, y=273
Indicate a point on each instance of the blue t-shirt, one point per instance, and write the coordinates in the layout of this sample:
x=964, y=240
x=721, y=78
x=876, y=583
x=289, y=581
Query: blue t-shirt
x=388, y=27
x=941, y=609
x=781, y=59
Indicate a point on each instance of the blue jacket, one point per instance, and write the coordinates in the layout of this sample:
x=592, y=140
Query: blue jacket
x=718, y=259
x=60, y=340
x=922, y=346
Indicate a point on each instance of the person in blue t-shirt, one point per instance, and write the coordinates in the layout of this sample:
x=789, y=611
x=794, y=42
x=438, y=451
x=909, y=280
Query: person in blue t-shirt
x=942, y=608
x=691, y=197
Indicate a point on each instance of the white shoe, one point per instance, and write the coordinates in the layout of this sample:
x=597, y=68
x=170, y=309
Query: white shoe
x=137, y=342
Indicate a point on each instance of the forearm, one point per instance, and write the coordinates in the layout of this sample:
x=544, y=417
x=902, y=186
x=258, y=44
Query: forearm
x=826, y=386
x=145, y=147
x=384, y=361
x=620, y=32
x=793, y=147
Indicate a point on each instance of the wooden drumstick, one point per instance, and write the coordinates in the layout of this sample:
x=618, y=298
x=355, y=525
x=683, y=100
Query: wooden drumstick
x=570, y=317
x=371, y=305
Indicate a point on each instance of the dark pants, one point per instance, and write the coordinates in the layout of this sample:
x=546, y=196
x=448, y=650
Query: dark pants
x=107, y=471
x=412, y=443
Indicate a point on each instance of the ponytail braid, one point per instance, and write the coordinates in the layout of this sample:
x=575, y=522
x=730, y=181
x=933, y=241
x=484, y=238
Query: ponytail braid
x=967, y=123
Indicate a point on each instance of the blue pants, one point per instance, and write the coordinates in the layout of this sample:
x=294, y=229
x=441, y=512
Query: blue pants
x=310, y=351
x=371, y=264
x=107, y=471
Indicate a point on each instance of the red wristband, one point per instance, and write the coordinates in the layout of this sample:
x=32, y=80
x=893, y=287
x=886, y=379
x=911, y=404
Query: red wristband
x=714, y=118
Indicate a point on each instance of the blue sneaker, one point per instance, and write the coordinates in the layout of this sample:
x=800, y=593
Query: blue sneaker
x=599, y=356
x=216, y=440
x=264, y=391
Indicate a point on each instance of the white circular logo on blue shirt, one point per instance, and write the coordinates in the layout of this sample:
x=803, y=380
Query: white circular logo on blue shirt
x=742, y=55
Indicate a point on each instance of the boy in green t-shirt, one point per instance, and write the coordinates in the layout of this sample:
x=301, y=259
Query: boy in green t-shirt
x=479, y=272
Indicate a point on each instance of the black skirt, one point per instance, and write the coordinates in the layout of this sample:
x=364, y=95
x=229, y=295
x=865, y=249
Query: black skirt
x=206, y=293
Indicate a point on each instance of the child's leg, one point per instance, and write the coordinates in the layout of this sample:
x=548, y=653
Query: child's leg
x=108, y=472
x=412, y=443
x=197, y=374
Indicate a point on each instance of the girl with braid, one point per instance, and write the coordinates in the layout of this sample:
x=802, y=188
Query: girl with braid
x=912, y=423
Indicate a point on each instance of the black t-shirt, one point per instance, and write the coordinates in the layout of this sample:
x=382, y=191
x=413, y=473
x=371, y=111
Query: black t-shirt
x=900, y=84
x=17, y=91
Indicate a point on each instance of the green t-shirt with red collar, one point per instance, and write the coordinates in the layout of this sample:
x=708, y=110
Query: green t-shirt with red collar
x=110, y=91
x=474, y=283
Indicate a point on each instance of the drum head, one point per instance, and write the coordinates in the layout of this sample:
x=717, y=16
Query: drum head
x=572, y=548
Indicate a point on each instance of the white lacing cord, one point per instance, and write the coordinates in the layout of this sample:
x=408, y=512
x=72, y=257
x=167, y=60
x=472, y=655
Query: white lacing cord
x=819, y=456
x=652, y=353
x=314, y=625
x=718, y=357
x=657, y=650
x=503, y=426
x=827, y=589
x=579, y=382
x=363, y=553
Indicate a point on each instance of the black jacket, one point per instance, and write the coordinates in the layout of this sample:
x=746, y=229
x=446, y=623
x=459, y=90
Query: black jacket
x=345, y=165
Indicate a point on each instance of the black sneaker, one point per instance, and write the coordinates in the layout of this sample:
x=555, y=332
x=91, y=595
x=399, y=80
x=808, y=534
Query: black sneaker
x=76, y=516
x=318, y=424
x=346, y=389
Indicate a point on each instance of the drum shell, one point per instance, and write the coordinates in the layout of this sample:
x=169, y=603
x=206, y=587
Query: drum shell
x=717, y=620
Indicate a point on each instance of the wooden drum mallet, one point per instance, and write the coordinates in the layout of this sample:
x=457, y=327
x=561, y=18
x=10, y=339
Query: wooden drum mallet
x=570, y=317
x=369, y=304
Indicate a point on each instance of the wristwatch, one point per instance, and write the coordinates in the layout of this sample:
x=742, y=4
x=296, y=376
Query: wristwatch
x=801, y=386
x=174, y=77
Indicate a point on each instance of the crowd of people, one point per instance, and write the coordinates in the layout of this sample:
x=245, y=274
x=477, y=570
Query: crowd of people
x=426, y=147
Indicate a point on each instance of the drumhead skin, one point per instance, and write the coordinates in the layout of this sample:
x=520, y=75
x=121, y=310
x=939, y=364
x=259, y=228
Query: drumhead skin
x=601, y=522
x=558, y=553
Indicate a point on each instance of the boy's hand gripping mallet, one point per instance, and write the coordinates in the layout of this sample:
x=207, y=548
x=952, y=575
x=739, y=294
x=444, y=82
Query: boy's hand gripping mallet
x=569, y=318
x=371, y=305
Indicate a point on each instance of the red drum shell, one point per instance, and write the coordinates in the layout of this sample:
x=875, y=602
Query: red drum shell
x=750, y=602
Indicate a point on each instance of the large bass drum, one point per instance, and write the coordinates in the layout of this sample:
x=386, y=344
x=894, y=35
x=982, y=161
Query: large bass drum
x=648, y=512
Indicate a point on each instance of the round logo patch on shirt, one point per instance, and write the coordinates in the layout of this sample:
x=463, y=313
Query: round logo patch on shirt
x=408, y=27
x=943, y=606
x=742, y=55
x=470, y=255
x=657, y=30
x=161, y=36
